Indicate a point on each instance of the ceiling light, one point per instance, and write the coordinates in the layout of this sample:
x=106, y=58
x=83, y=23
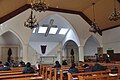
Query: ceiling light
x=31, y=22
x=34, y=30
x=63, y=31
x=94, y=26
x=39, y=5
x=53, y=30
x=42, y=29
x=115, y=15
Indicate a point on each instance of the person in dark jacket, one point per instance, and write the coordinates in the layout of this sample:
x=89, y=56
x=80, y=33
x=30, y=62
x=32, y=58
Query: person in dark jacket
x=28, y=69
x=57, y=65
x=21, y=64
x=73, y=69
x=98, y=67
x=6, y=67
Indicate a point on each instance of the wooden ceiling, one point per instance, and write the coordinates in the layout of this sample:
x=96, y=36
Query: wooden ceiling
x=103, y=8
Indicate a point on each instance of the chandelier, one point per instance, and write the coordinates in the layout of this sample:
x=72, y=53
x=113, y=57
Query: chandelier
x=94, y=27
x=39, y=5
x=31, y=22
x=115, y=15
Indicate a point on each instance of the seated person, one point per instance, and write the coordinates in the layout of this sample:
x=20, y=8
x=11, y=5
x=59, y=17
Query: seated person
x=15, y=64
x=85, y=66
x=28, y=69
x=37, y=66
x=98, y=67
x=21, y=64
x=107, y=58
x=73, y=69
x=64, y=62
x=1, y=65
x=114, y=71
x=57, y=65
x=6, y=67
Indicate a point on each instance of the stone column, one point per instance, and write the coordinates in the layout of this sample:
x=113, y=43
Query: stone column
x=81, y=53
x=25, y=53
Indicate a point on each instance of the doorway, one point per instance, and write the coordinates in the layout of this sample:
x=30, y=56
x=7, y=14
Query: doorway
x=71, y=45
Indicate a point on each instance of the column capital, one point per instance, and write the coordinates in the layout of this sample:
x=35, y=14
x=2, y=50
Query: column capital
x=25, y=44
x=81, y=46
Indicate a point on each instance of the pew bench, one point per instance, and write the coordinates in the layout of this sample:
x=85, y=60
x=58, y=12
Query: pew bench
x=28, y=78
x=100, y=77
x=87, y=74
x=11, y=73
x=18, y=76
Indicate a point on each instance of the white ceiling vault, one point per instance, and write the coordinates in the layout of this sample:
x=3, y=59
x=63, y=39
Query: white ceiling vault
x=59, y=21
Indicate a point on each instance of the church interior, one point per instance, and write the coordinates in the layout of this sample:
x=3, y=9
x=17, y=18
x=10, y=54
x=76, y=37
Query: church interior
x=59, y=39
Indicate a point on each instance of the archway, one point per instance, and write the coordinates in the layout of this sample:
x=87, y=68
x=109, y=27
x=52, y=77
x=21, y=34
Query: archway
x=54, y=42
x=91, y=47
x=9, y=40
x=68, y=47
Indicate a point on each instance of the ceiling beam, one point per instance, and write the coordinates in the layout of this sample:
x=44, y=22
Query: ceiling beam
x=111, y=27
x=14, y=13
x=118, y=1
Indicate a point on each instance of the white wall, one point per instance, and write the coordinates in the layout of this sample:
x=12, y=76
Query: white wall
x=49, y=50
x=90, y=47
x=111, y=40
x=9, y=40
x=52, y=49
x=71, y=36
x=32, y=55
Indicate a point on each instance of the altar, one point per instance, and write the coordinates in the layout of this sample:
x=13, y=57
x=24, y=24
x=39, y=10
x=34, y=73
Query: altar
x=47, y=59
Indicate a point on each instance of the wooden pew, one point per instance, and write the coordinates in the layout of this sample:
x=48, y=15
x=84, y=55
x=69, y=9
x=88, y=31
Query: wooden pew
x=18, y=76
x=86, y=74
x=11, y=73
x=49, y=72
x=28, y=78
x=100, y=77
x=65, y=70
x=19, y=69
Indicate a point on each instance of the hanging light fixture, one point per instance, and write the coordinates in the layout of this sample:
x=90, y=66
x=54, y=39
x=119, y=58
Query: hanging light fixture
x=94, y=27
x=31, y=22
x=115, y=15
x=39, y=5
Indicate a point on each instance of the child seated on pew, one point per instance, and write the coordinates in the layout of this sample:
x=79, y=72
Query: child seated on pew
x=73, y=69
x=28, y=69
x=6, y=67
